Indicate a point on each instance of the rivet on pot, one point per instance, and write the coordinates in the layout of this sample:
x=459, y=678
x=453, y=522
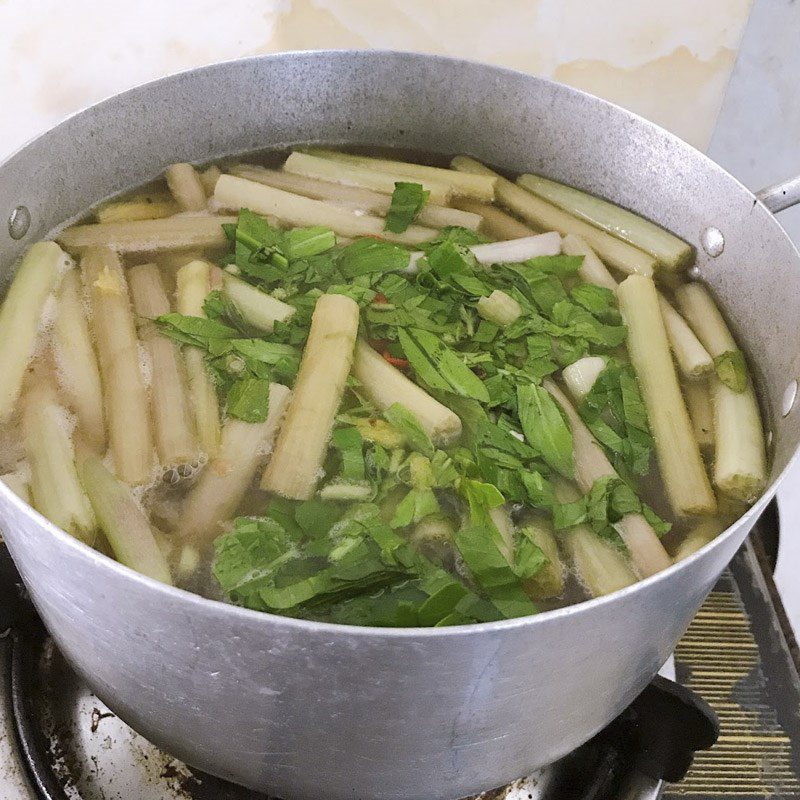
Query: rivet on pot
x=789, y=397
x=713, y=241
x=18, y=222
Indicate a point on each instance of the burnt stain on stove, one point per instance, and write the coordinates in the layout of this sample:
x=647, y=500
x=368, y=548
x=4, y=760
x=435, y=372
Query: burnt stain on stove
x=97, y=717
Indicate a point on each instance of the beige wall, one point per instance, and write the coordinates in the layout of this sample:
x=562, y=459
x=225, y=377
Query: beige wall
x=667, y=59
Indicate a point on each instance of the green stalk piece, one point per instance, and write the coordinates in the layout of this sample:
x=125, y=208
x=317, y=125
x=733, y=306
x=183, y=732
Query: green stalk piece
x=142, y=206
x=593, y=270
x=478, y=187
x=354, y=197
x=496, y=222
x=123, y=522
x=682, y=470
x=296, y=464
x=740, y=464
x=258, y=308
x=193, y=285
x=56, y=491
x=21, y=314
x=186, y=187
x=598, y=565
x=547, y=217
x=225, y=479
x=78, y=371
x=175, y=438
x=125, y=398
x=670, y=251
x=549, y=580
x=648, y=555
x=293, y=209
x=386, y=385
x=148, y=235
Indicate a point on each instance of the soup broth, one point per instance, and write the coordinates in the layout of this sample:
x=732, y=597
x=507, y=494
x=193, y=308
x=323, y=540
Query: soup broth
x=363, y=389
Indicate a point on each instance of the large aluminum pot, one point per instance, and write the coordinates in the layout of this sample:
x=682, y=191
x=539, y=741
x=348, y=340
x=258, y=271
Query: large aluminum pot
x=297, y=708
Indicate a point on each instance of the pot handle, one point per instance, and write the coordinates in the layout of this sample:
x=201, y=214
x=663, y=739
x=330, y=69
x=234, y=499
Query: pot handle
x=781, y=195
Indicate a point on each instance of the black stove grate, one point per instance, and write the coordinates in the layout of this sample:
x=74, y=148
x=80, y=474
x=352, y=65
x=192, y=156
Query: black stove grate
x=740, y=655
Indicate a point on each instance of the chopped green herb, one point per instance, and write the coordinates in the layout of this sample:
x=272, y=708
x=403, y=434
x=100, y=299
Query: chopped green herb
x=408, y=199
x=248, y=399
x=405, y=422
x=367, y=256
x=732, y=370
x=439, y=366
x=545, y=428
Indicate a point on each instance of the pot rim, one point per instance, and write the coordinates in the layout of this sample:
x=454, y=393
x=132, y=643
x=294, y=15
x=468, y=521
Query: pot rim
x=268, y=619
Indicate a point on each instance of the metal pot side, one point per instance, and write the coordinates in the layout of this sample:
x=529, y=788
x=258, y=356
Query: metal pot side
x=288, y=706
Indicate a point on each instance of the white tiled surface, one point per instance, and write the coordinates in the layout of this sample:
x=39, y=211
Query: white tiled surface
x=669, y=61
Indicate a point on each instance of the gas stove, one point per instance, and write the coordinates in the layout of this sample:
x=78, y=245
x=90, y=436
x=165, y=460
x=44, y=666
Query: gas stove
x=59, y=742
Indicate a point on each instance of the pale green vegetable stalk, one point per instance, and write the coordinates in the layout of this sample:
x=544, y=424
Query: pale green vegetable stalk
x=514, y=250
x=478, y=187
x=499, y=308
x=693, y=359
x=143, y=206
x=343, y=492
x=233, y=192
x=593, y=270
x=648, y=555
x=668, y=249
x=296, y=464
x=701, y=412
x=740, y=460
x=701, y=312
x=193, y=286
x=209, y=178
x=354, y=197
x=355, y=175
x=581, y=375
x=19, y=482
x=433, y=536
x=502, y=521
x=258, y=308
x=78, y=372
x=545, y=216
x=186, y=187
x=599, y=566
x=55, y=488
x=125, y=525
x=740, y=464
x=699, y=536
x=549, y=580
x=496, y=222
x=685, y=479
x=386, y=385
x=21, y=314
x=172, y=419
x=691, y=356
x=225, y=479
x=124, y=395
x=148, y=235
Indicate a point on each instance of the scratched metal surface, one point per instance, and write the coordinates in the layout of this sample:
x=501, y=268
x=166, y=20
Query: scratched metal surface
x=95, y=756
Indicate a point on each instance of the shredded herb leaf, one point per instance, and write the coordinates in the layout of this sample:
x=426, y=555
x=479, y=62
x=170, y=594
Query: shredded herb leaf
x=545, y=428
x=732, y=370
x=408, y=199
